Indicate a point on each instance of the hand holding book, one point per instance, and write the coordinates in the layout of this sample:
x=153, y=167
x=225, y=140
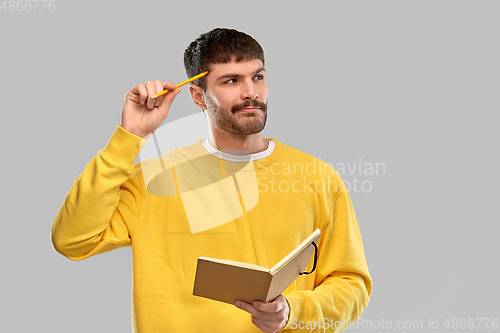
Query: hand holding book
x=268, y=316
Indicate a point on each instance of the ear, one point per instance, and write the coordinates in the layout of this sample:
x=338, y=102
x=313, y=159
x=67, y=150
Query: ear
x=198, y=96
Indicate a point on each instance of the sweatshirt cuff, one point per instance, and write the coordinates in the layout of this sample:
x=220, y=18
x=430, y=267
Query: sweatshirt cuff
x=123, y=146
x=296, y=304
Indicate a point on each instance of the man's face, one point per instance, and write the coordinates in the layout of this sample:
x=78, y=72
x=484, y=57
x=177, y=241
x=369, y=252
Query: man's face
x=236, y=96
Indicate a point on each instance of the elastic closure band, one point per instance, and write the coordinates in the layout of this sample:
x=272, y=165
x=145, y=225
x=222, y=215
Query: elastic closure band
x=315, y=260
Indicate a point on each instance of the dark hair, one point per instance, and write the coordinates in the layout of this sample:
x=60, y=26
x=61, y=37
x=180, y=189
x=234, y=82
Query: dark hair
x=219, y=45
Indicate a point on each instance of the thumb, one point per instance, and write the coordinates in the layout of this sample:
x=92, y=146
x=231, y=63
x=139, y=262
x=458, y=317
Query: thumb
x=167, y=101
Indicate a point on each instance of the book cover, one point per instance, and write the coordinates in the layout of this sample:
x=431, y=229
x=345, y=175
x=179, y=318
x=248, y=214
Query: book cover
x=229, y=281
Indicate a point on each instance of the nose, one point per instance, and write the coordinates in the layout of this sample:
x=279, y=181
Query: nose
x=249, y=91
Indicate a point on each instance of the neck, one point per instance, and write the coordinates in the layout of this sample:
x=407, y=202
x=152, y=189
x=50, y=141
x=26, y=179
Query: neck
x=237, y=144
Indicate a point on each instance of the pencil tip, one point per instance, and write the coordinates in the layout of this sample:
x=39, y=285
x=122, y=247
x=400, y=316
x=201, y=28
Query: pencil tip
x=153, y=97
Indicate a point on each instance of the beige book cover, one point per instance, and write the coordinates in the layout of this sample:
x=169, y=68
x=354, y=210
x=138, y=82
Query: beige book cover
x=229, y=281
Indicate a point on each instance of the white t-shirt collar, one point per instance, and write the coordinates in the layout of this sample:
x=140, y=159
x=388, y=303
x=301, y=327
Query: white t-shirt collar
x=238, y=158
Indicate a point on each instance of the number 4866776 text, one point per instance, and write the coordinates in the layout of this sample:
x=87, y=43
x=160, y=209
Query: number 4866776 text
x=28, y=5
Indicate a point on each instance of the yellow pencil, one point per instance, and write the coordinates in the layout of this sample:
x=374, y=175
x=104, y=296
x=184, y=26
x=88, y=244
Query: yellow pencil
x=181, y=84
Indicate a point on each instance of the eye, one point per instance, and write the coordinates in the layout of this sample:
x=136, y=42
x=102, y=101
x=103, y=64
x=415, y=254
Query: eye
x=259, y=77
x=230, y=81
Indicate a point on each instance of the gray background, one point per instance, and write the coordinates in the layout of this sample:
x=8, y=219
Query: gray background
x=410, y=84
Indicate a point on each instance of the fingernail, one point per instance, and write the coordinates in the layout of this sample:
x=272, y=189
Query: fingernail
x=238, y=304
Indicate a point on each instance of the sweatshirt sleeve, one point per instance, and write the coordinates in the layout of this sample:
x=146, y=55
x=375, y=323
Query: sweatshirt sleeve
x=103, y=206
x=342, y=285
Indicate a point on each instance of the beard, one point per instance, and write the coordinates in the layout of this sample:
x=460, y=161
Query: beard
x=241, y=124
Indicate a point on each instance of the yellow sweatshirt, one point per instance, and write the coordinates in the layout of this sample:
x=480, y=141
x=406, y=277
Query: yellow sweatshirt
x=109, y=206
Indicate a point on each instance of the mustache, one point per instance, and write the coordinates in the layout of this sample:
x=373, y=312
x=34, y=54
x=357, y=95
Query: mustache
x=258, y=104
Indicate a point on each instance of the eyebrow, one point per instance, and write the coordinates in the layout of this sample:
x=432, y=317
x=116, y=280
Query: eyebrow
x=231, y=76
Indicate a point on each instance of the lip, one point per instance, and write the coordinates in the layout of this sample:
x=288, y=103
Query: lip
x=249, y=110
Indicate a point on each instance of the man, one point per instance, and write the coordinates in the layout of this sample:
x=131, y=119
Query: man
x=112, y=204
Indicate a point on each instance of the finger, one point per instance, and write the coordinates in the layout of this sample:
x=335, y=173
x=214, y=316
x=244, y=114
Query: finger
x=151, y=89
x=253, y=311
x=138, y=94
x=159, y=100
x=167, y=100
x=273, y=320
x=169, y=86
x=273, y=307
x=247, y=307
x=159, y=89
x=266, y=322
x=268, y=307
x=260, y=323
